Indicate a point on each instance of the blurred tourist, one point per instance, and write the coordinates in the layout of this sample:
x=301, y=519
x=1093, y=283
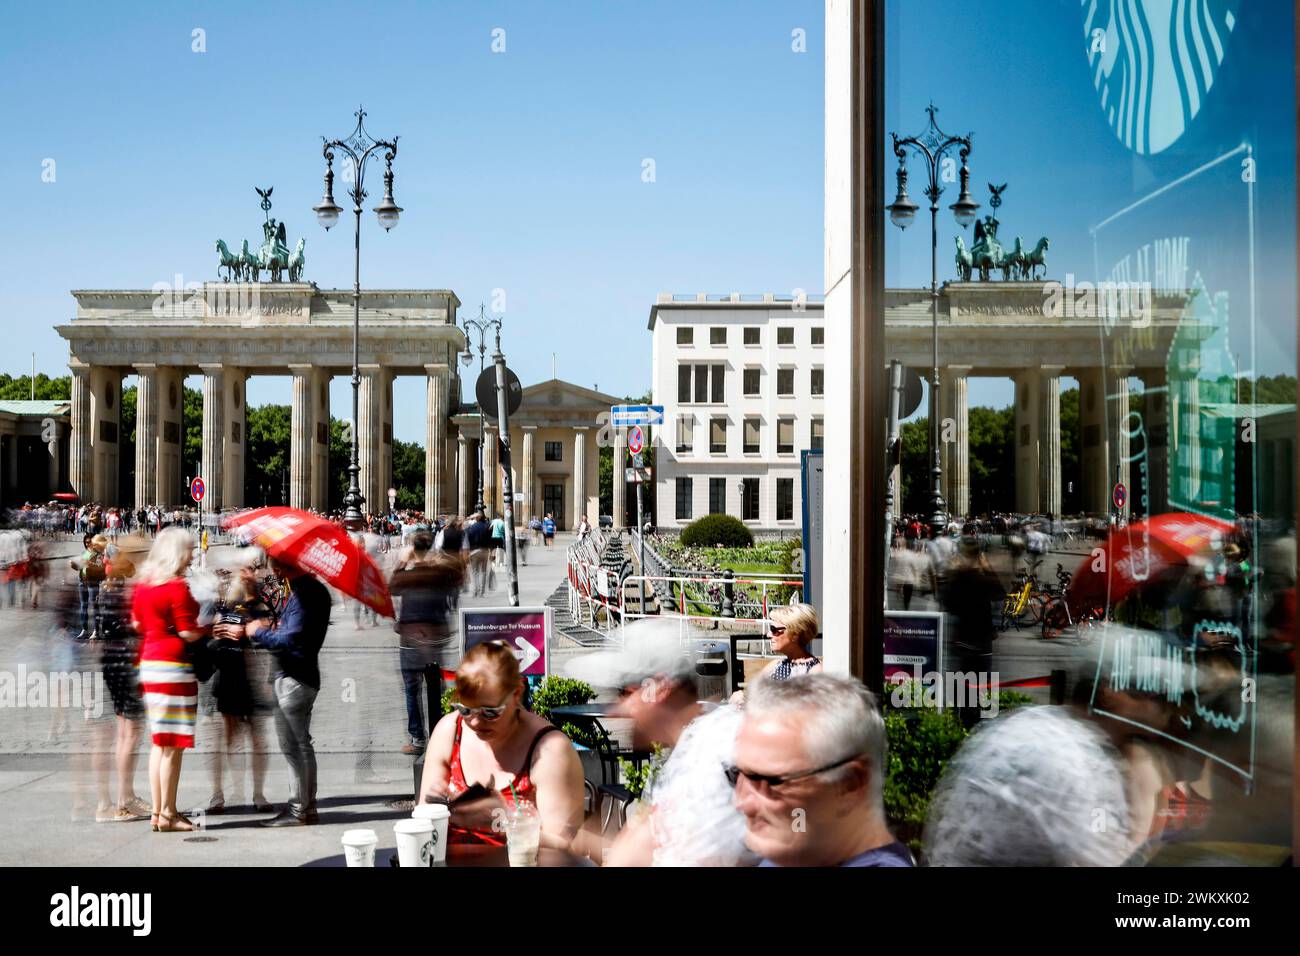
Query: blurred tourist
x=812, y=750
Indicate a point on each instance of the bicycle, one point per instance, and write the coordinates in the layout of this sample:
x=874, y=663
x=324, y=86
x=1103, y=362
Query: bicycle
x=1058, y=618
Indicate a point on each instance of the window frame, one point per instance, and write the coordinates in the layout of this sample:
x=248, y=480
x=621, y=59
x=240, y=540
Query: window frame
x=785, y=370
x=757, y=447
x=780, y=448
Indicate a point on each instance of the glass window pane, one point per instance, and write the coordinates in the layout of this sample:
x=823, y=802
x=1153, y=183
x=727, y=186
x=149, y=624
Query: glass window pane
x=785, y=382
x=753, y=335
x=753, y=429
x=685, y=335
x=683, y=383
x=717, y=496
x=785, y=436
x=718, y=436
x=752, y=378
x=719, y=383
x=785, y=335
x=785, y=499
x=718, y=335
x=701, y=383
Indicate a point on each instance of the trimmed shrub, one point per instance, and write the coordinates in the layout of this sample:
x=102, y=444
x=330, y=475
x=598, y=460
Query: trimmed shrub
x=713, y=530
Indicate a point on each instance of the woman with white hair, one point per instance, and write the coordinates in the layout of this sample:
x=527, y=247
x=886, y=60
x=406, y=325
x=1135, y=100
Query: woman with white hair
x=792, y=629
x=166, y=616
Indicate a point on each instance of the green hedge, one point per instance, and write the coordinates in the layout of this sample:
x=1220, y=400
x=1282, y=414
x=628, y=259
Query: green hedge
x=713, y=530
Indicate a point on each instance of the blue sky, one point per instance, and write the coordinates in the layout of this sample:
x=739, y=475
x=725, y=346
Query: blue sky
x=522, y=170
x=519, y=170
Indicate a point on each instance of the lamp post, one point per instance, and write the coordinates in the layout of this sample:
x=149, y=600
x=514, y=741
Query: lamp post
x=360, y=147
x=932, y=145
x=481, y=325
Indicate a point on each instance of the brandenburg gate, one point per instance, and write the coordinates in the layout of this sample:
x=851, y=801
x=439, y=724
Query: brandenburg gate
x=228, y=332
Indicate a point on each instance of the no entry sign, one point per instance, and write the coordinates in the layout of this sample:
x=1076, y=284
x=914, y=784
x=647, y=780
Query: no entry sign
x=198, y=489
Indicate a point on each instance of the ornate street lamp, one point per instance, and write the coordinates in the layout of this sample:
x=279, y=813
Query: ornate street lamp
x=481, y=325
x=360, y=147
x=931, y=145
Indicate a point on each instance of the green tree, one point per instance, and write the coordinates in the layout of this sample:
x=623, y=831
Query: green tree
x=266, y=468
x=192, y=429
x=19, y=388
x=408, y=474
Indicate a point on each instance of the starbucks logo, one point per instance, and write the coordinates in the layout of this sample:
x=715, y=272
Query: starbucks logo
x=1153, y=63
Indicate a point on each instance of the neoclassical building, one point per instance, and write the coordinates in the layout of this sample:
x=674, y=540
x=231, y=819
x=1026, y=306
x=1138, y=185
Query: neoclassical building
x=33, y=450
x=228, y=332
x=554, y=439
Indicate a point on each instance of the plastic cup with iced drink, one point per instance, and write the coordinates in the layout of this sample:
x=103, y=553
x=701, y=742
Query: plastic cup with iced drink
x=523, y=834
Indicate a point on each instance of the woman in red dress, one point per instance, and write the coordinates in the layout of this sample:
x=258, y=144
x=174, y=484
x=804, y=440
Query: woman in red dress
x=491, y=746
x=165, y=614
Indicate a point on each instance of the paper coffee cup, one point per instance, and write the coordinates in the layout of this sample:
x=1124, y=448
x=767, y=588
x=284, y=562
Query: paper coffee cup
x=359, y=847
x=440, y=816
x=414, y=842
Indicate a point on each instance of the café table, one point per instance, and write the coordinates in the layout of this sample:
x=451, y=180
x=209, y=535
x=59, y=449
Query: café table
x=466, y=855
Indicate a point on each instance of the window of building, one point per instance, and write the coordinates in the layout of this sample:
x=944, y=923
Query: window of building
x=749, y=500
x=718, y=335
x=683, y=383
x=717, y=496
x=785, y=335
x=784, y=499
x=683, y=499
x=685, y=335
x=719, y=392
x=753, y=435
x=785, y=436
x=818, y=433
x=818, y=335
x=701, y=383
x=785, y=382
x=753, y=335
x=685, y=434
x=752, y=377
x=718, y=436
x=555, y=451
x=817, y=381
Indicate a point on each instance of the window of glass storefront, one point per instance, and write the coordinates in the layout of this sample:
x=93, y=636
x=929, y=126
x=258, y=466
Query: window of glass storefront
x=1113, y=513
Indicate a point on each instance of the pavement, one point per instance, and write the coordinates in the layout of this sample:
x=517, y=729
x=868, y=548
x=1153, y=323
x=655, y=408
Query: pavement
x=53, y=758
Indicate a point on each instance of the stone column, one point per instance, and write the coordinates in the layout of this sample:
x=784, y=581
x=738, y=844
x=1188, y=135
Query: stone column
x=1050, y=440
x=170, y=437
x=619, y=476
x=146, y=437
x=105, y=387
x=956, y=453
x=529, y=431
x=236, y=437
x=214, y=431
x=384, y=441
x=579, y=474
x=464, y=466
x=1028, y=465
x=435, y=437
x=1118, y=438
x=300, y=437
x=80, y=469
x=52, y=448
x=1092, y=439
x=1155, y=410
x=490, y=470
x=368, y=436
x=320, y=439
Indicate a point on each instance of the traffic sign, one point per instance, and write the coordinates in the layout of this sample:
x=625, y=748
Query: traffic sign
x=485, y=390
x=635, y=440
x=638, y=461
x=638, y=476
x=623, y=416
x=1119, y=495
x=198, y=489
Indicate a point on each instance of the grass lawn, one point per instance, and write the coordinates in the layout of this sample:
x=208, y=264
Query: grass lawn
x=740, y=567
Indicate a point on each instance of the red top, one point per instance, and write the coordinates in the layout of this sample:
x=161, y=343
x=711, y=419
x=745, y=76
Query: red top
x=523, y=789
x=162, y=612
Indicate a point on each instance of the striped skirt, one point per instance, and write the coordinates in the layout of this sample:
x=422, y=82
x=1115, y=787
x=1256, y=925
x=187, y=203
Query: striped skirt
x=171, y=699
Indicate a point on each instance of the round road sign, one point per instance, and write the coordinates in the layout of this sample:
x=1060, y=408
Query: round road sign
x=1119, y=495
x=198, y=489
x=635, y=440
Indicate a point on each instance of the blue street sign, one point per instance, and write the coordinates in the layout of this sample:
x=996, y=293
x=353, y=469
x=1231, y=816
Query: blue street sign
x=626, y=415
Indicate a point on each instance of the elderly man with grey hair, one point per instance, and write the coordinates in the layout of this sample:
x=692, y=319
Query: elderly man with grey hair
x=808, y=773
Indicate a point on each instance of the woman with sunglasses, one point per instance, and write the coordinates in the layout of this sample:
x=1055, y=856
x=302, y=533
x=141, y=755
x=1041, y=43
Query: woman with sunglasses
x=791, y=630
x=490, y=752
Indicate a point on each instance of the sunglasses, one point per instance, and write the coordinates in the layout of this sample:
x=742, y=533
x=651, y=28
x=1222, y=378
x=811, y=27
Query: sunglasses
x=734, y=773
x=487, y=713
x=775, y=630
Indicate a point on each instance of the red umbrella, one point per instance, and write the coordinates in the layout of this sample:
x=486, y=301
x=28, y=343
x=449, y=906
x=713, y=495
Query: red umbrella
x=316, y=545
x=65, y=496
x=1142, y=552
